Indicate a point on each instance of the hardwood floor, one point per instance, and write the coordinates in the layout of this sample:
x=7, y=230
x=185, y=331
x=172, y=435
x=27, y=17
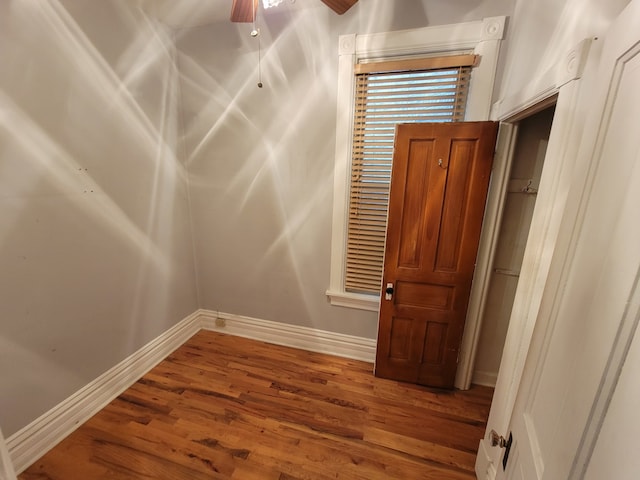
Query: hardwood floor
x=223, y=407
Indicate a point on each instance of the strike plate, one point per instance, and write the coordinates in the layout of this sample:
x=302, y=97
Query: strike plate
x=507, y=449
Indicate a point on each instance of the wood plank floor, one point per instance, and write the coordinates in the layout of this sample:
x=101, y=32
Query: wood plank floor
x=224, y=407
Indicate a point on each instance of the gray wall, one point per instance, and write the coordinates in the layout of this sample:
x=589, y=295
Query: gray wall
x=541, y=33
x=95, y=246
x=96, y=254
x=261, y=160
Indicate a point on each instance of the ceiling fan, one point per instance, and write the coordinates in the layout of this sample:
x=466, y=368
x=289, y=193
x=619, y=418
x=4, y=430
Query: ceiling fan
x=243, y=11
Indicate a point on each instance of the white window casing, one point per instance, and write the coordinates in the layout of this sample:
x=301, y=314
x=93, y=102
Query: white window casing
x=481, y=38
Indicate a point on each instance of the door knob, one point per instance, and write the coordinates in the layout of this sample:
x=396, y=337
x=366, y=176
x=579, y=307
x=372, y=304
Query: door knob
x=388, y=293
x=500, y=441
x=497, y=440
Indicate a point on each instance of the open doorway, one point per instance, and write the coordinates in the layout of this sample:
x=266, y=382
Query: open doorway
x=525, y=170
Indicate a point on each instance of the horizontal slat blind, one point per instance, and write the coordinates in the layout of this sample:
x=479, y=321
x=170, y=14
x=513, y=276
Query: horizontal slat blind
x=382, y=100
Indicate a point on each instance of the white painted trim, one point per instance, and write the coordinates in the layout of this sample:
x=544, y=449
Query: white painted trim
x=6, y=466
x=291, y=335
x=341, y=173
x=30, y=443
x=487, y=379
x=485, y=468
x=486, y=253
x=483, y=76
x=543, y=91
x=545, y=85
x=354, y=300
x=562, y=151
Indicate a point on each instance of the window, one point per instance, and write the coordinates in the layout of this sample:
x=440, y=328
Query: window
x=374, y=66
x=387, y=93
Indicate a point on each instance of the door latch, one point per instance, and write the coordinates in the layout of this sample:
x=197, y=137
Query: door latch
x=388, y=293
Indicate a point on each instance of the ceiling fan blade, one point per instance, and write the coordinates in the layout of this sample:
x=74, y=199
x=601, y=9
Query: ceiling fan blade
x=242, y=11
x=340, y=6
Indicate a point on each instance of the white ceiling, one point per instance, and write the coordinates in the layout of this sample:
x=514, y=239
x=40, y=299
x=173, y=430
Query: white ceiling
x=189, y=13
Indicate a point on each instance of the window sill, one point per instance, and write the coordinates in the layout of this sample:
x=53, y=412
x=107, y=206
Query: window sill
x=354, y=300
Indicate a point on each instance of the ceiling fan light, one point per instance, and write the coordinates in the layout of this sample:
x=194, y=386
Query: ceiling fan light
x=271, y=3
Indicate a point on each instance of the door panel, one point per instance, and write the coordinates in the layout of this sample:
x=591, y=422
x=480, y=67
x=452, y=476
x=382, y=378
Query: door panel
x=454, y=205
x=418, y=181
x=438, y=191
x=582, y=336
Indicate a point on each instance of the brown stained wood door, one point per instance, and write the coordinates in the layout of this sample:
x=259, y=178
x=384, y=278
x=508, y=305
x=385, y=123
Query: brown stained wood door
x=439, y=186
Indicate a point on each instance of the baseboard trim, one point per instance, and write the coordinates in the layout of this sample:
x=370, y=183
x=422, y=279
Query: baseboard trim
x=6, y=466
x=306, y=338
x=487, y=379
x=28, y=444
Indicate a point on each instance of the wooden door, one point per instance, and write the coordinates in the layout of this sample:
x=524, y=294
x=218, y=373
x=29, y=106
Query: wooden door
x=588, y=319
x=439, y=186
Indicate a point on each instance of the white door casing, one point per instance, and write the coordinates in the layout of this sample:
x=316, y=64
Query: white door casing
x=563, y=86
x=6, y=467
x=586, y=321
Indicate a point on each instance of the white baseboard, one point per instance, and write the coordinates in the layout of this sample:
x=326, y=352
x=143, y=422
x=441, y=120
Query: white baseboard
x=6, y=466
x=30, y=443
x=305, y=338
x=488, y=379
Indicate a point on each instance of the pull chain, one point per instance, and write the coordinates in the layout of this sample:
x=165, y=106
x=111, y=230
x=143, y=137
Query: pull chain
x=256, y=34
x=259, y=64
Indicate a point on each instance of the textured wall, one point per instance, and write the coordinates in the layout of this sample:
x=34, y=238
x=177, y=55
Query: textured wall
x=541, y=33
x=95, y=250
x=261, y=160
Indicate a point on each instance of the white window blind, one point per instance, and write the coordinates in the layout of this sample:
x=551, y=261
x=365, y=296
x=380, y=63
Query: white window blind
x=387, y=93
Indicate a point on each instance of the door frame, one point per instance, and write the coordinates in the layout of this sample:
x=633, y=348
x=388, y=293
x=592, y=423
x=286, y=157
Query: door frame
x=599, y=94
x=6, y=467
x=561, y=85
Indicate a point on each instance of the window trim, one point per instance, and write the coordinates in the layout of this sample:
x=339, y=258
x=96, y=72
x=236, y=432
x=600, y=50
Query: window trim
x=481, y=37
